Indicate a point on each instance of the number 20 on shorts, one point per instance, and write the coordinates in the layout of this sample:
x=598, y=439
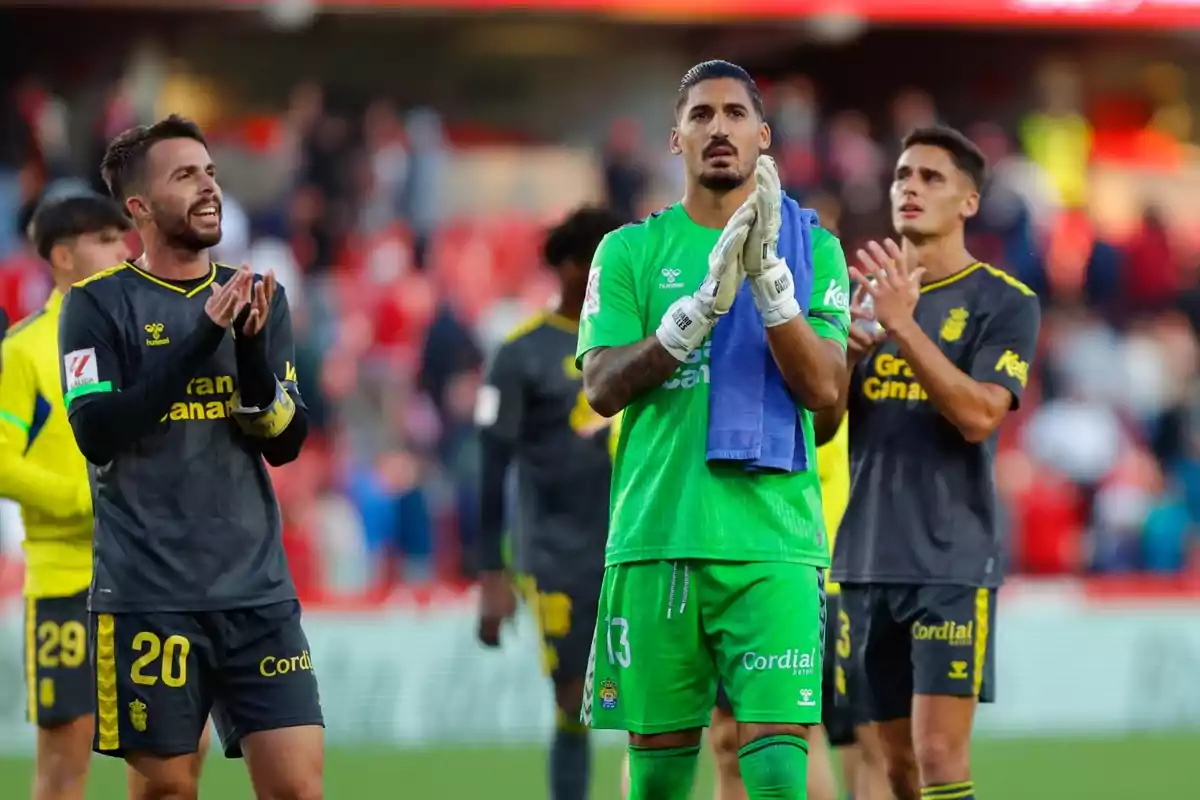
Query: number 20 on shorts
x=173, y=662
x=619, y=654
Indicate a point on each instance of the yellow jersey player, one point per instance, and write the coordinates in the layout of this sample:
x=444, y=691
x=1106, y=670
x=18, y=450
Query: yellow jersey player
x=42, y=469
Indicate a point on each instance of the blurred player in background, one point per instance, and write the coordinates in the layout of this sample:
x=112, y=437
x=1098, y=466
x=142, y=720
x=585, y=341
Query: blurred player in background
x=179, y=382
x=862, y=767
x=919, y=552
x=532, y=413
x=710, y=566
x=42, y=469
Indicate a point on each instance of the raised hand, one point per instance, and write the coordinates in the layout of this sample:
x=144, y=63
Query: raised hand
x=260, y=305
x=865, y=332
x=227, y=300
x=891, y=280
x=725, y=272
x=769, y=276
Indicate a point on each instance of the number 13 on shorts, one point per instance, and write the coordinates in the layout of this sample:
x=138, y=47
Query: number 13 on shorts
x=617, y=628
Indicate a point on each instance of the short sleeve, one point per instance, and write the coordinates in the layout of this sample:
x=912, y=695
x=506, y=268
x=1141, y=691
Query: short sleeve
x=89, y=342
x=611, y=317
x=18, y=393
x=1008, y=343
x=500, y=404
x=281, y=344
x=829, y=306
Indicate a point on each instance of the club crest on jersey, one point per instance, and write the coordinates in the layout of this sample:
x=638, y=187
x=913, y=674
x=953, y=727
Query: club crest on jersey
x=608, y=694
x=954, y=324
x=591, y=299
x=137, y=715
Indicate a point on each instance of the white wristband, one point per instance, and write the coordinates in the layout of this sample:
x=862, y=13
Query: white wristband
x=775, y=294
x=684, y=327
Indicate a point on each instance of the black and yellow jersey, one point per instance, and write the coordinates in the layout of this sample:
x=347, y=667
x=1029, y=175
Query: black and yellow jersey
x=185, y=514
x=41, y=467
x=532, y=401
x=923, y=504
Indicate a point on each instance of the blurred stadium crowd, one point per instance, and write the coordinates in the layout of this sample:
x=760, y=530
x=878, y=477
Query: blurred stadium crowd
x=400, y=290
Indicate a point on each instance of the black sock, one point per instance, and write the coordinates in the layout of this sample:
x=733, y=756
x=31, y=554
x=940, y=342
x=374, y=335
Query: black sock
x=570, y=762
x=959, y=790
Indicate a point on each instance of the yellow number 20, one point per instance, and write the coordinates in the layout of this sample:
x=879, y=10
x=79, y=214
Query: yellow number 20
x=174, y=651
x=64, y=644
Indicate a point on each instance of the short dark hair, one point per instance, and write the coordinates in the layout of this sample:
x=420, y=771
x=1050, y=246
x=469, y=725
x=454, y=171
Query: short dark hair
x=59, y=220
x=963, y=152
x=577, y=237
x=125, y=157
x=711, y=71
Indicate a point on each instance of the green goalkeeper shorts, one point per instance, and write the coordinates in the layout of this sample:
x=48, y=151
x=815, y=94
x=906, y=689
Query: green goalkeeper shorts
x=667, y=630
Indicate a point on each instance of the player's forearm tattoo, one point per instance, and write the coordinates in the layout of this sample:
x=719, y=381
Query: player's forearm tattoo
x=615, y=376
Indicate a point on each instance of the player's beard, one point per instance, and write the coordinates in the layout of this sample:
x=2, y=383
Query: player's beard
x=178, y=233
x=723, y=181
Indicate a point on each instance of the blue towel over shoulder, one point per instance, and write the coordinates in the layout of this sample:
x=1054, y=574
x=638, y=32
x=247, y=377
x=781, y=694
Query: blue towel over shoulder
x=753, y=419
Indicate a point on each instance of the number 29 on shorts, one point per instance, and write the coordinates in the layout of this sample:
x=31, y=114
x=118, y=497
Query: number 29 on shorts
x=618, y=652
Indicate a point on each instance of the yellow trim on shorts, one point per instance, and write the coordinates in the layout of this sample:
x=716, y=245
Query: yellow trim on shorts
x=108, y=728
x=983, y=599
x=31, y=689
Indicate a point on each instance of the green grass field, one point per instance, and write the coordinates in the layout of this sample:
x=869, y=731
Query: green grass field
x=1102, y=769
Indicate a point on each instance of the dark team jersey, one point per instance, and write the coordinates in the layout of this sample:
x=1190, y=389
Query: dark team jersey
x=922, y=498
x=185, y=515
x=533, y=401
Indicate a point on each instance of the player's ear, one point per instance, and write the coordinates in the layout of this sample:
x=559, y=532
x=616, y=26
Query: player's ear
x=676, y=147
x=60, y=258
x=138, y=208
x=970, y=204
x=764, y=136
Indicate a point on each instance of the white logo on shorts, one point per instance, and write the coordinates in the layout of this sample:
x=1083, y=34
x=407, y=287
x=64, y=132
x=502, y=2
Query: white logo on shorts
x=806, y=698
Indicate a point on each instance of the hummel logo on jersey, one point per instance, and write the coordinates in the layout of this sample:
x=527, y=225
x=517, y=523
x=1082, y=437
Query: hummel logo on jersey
x=155, y=329
x=836, y=296
x=806, y=698
x=672, y=279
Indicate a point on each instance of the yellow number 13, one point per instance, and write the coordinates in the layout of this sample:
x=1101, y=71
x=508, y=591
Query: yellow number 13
x=174, y=651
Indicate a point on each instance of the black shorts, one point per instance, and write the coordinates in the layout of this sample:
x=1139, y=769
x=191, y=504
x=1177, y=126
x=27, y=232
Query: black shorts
x=913, y=639
x=566, y=615
x=836, y=720
x=58, y=676
x=160, y=674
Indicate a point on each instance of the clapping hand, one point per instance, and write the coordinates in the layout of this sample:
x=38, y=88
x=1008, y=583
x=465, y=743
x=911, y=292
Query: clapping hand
x=892, y=280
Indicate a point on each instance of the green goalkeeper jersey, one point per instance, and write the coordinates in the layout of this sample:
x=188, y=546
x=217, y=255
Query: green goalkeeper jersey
x=667, y=501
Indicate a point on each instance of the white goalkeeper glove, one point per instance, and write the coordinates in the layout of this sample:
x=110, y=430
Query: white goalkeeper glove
x=690, y=319
x=769, y=275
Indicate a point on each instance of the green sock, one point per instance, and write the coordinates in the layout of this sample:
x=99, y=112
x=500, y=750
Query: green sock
x=960, y=790
x=775, y=768
x=665, y=774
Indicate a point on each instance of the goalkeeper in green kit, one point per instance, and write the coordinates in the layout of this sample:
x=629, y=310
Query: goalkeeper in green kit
x=715, y=325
